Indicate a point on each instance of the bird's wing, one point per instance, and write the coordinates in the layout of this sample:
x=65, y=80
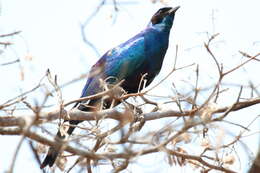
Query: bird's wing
x=119, y=62
x=124, y=60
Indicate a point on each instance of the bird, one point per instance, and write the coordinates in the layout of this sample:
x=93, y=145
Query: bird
x=141, y=55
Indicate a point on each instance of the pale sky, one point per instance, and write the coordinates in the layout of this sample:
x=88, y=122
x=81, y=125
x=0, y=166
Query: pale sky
x=51, y=36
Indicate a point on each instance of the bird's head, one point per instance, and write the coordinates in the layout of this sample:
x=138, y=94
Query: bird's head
x=164, y=17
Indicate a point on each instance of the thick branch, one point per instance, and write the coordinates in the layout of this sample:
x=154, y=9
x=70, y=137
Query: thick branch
x=124, y=155
x=113, y=114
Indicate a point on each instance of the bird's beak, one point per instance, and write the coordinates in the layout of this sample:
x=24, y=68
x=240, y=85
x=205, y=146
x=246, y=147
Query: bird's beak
x=173, y=10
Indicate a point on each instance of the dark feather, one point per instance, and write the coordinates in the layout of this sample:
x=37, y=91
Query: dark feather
x=140, y=55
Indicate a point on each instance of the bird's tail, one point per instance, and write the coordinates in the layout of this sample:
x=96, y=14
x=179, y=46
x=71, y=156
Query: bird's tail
x=55, y=150
x=50, y=158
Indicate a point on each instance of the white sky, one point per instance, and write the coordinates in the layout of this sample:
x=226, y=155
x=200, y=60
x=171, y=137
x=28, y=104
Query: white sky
x=51, y=35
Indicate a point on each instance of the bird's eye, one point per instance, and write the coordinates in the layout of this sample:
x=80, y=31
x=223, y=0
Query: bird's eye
x=159, y=15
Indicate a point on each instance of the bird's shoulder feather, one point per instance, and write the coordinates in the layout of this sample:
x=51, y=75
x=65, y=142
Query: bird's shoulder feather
x=118, y=62
x=122, y=60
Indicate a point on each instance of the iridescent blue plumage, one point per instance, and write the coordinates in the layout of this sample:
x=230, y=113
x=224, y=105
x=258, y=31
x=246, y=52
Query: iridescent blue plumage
x=142, y=54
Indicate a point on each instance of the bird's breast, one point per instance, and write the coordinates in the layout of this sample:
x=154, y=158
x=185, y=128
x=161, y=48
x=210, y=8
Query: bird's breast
x=156, y=45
